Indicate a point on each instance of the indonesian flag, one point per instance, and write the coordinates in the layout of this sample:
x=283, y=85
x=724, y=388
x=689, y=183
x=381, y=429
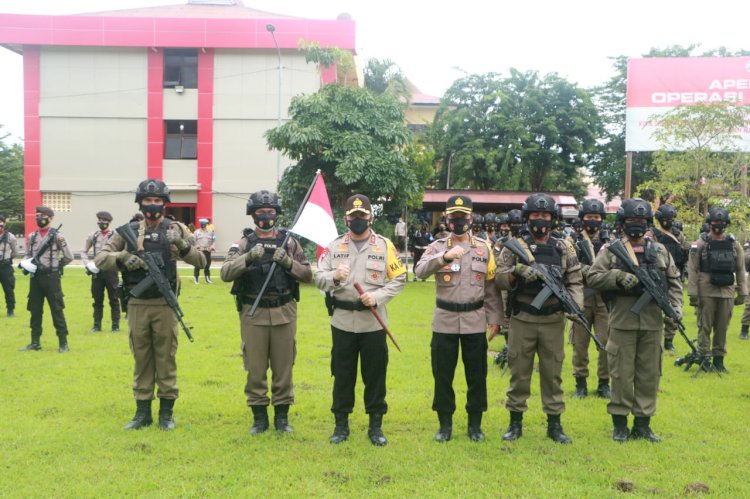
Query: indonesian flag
x=315, y=221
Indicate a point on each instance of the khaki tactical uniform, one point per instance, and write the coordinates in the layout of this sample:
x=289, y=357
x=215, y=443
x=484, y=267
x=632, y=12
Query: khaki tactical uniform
x=268, y=336
x=7, y=277
x=746, y=310
x=677, y=246
x=539, y=333
x=103, y=280
x=152, y=323
x=634, y=348
x=716, y=291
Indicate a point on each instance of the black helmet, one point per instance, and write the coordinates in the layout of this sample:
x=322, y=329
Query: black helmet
x=477, y=220
x=515, y=217
x=490, y=219
x=665, y=212
x=540, y=202
x=152, y=188
x=576, y=222
x=705, y=228
x=718, y=215
x=502, y=219
x=591, y=206
x=263, y=199
x=635, y=208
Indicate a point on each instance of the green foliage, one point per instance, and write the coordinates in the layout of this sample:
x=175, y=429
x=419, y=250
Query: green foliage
x=11, y=178
x=327, y=57
x=355, y=138
x=62, y=417
x=524, y=132
x=384, y=76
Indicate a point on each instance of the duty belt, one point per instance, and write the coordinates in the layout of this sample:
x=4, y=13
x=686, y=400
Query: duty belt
x=348, y=305
x=548, y=310
x=458, y=307
x=270, y=302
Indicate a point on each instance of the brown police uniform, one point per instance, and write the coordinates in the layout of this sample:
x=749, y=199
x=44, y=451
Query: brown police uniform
x=151, y=322
x=45, y=284
x=539, y=332
x=746, y=310
x=102, y=280
x=634, y=348
x=678, y=247
x=268, y=336
x=8, y=248
x=716, y=272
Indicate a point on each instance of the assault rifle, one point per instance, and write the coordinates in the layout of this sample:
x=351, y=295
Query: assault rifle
x=48, y=241
x=155, y=276
x=501, y=359
x=588, y=259
x=553, y=285
x=654, y=291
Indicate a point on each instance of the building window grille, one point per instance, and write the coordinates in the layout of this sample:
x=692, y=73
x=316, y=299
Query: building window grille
x=57, y=201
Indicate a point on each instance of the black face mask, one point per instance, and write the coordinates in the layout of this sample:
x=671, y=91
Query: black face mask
x=359, y=225
x=203, y=226
x=103, y=225
x=504, y=232
x=515, y=230
x=42, y=222
x=592, y=226
x=718, y=228
x=152, y=211
x=539, y=227
x=667, y=224
x=265, y=221
x=459, y=226
x=674, y=230
x=635, y=229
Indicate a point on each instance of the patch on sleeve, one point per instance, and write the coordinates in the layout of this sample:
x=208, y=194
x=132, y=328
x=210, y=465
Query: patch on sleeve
x=323, y=255
x=394, y=266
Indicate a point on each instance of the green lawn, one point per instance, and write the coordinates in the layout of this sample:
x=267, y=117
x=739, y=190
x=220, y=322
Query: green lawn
x=62, y=417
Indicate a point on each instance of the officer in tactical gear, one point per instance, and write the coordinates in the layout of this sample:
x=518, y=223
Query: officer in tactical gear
x=490, y=227
x=8, y=248
x=467, y=306
x=516, y=222
x=205, y=241
x=634, y=346
x=745, y=324
x=45, y=268
x=590, y=214
x=716, y=264
x=678, y=247
x=360, y=256
x=151, y=322
x=503, y=226
x=102, y=280
x=477, y=227
x=538, y=331
x=268, y=336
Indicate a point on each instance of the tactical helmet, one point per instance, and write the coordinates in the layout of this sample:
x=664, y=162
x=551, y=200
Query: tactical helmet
x=665, y=212
x=705, y=228
x=152, y=188
x=718, y=215
x=591, y=206
x=477, y=220
x=502, y=219
x=635, y=208
x=515, y=217
x=576, y=222
x=490, y=219
x=263, y=199
x=539, y=202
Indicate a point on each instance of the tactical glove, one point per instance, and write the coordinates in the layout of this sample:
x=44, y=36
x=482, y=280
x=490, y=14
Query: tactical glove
x=130, y=261
x=174, y=236
x=256, y=253
x=695, y=301
x=739, y=299
x=527, y=273
x=626, y=280
x=280, y=257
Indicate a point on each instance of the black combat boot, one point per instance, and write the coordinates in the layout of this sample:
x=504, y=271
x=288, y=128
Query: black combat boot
x=668, y=345
x=341, y=431
x=96, y=328
x=260, y=419
x=719, y=365
x=555, y=430
x=166, y=422
x=620, y=432
x=115, y=327
x=641, y=429
x=281, y=419
x=142, y=416
x=475, y=427
x=63, y=344
x=743, y=332
x=603, y=390
x=35, y=345
x=515, y=430
x=445, y=432
x=375, y=431
x=582, y=389
x=11, y=314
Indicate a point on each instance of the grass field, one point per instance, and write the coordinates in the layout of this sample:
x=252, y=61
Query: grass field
x=61, y=418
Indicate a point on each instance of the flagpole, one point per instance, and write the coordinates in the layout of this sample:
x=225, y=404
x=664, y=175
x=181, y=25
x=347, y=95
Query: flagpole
x=283, y=245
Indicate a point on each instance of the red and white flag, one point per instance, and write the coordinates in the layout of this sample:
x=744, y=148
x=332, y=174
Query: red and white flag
x=315, y=222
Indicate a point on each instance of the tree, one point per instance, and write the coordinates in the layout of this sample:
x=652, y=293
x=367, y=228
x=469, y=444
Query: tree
x=11, y=178
x=384, y=76
x=355, y=137
x=524, y=132
x=706, y=170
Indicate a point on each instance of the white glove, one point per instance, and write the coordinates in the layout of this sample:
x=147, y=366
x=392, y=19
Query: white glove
x=28, y=266
x=92, y=268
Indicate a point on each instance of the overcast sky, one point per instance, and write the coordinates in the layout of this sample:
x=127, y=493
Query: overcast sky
x=435, y=42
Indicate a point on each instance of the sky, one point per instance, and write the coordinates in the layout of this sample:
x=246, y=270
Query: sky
x=435, y=43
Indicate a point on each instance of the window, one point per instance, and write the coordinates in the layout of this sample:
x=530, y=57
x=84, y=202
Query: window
x=181, y=139
x=181, y=68
x=57, y=201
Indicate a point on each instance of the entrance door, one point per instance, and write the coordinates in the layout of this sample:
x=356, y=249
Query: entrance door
x=184, y=213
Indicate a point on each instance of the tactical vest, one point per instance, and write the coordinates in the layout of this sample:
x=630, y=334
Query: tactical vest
x=251, y=281
x=673, y=246
x=154, y=242
x=648, y=260
x=719, y=259
x=549, y=253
